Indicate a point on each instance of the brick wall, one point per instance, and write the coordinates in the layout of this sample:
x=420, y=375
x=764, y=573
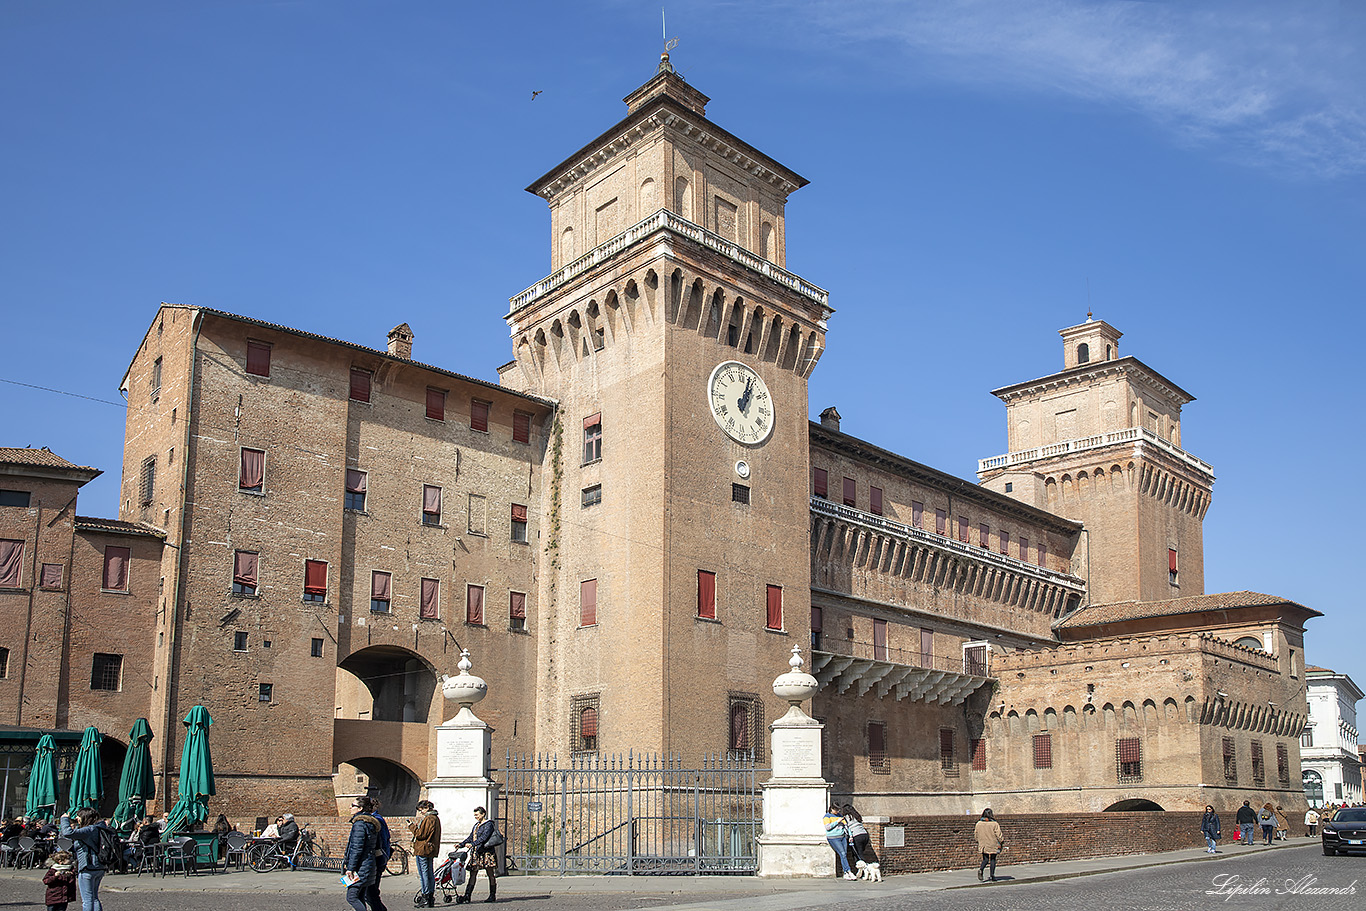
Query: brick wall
x=947, y=842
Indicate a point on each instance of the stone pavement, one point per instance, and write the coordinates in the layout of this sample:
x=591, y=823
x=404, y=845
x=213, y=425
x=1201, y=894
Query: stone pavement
x=696, y=893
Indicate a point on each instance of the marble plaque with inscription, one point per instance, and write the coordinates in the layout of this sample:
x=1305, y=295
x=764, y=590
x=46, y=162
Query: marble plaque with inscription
x=459, y=754
x=797, y=753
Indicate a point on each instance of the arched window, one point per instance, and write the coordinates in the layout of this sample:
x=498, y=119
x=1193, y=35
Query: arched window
x=588, y=728
x=647, y=199
x=766, y=241
x=1083, y=353
x=1250, y=642
x=567, y=246
x=1109, y=353
x=682, y=198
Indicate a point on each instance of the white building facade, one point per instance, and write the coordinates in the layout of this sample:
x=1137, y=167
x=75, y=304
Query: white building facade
x=1328, y=748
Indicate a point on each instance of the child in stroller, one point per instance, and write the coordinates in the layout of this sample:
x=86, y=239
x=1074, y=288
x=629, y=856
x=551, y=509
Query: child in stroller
x=449, y=876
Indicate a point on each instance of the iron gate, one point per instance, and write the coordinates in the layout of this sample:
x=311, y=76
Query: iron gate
x=632, y=814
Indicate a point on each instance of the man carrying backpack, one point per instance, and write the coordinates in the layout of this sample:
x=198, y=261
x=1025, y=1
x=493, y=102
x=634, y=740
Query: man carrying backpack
x=97, y=850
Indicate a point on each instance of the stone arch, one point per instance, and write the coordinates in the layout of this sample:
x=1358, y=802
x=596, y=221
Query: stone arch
x=766, y=249
x=1134, y=805
x=542, y=349
x=682, y=198
x=1031, y=721
x=1150, y=716
x=1050, y=487
x=1050, y=719
x=773, y=339
x=692, y=308
x=1130, y=713
x=386, y=683
x=612, y=314
x=793, y=345
x=1190, y=709
x=1088, y=715
x=1083, y=353
x=557, y=342
x=675, y=293
x=1108, y=713
x=1069, y=718
x=574, y=333
x=754, y=332
x=1013, y=719
x=647, y=203
x=735, y=323
x=1170, y=711
x=650, y=294
x=712, y=327
x=567, y=246
x=396, y=785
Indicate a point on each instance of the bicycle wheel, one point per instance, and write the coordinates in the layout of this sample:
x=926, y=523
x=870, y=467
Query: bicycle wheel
x=398, y=862
x=263, y=858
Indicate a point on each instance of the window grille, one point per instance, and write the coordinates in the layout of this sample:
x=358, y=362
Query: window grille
x=1129, y=759
x=1043, y=751
x=1230, y=760
x=1258, y=764
x=979, y=754
x=106, y=672
x=583, y=723
x=148, y=481
x=878, y=760
x=948, y=761
x=1282, y=764
x=745, y=717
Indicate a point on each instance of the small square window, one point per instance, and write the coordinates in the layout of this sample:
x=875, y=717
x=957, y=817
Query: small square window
x=50, y=577
x=239, y=641
x=1010, y=486
x=479, y=416
x=592, y=496
x=265, y=692
x=106, y=672
x=19, y=498
x=316, y=649
x=739, y=493
x=265, y=643
x=258, y=358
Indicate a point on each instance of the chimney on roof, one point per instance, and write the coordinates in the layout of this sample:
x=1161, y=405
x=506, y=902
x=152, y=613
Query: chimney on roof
x=830, y=419
x=401, y=341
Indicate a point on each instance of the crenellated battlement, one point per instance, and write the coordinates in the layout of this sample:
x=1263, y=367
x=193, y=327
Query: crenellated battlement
x=1176, y=644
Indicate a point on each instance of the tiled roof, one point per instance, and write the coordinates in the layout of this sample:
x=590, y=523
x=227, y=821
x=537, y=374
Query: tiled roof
x=1120, y=611
x=44, y=458
x=118, y=527
x=1310, y=668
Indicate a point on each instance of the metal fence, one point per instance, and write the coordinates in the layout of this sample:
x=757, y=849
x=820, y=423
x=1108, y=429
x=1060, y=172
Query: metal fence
x=631, y=814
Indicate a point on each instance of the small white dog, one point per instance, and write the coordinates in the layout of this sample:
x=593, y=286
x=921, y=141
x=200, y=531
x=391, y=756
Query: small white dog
x=872, y=872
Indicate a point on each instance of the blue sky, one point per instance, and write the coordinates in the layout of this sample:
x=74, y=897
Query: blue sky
x=981, y=174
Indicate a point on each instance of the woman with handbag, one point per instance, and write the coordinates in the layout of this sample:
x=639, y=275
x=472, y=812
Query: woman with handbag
x=483, y=839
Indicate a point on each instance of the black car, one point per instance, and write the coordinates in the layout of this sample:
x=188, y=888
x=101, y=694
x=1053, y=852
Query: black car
x=1346, y=831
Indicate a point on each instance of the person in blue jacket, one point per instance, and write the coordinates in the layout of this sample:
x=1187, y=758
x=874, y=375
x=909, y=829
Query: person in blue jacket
x=1209, y=827
x=362, y=865
x=85, y=842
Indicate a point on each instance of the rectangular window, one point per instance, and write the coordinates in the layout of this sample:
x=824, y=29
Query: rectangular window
x=850, y=492
x=817, y=622
x=583, y=723
x=360, y=385
x=1129, y=759
x=1230, y=761
x=820, y=484
x=978, y=746
x=429, y=608
x=975, y=656
x=315, y=650
x=156, y=378
x=244, y=565
x=941, y=522
x=148, y=482
x=917, y=514
x=521, y=427
x=517, y=610
x=380, y=594
x=1024, y=549
x=4, y=663
x=927, y=648
x=519, y=523
x=592, y=438
x=1171, y=565
x=879, y=640
x=878, y=761
x=474, y=605
x=116, y=561
x=1258, y=765
x=588, y=602
x=1043, y=554
x=875, y=500
x=1307, y=738
x=746, y=719
x=774, y=612
x=50, y=577
x=356, y=483
x=963, y=529
x=1043, y=751
x=592, y=496
x=706, y=595
x=984, y=536
x=948, y=759
x=315, y=580
x=431, y=504
x=265, y=692
x=106, y=672
x=258, y=358
x=239, y=641
x=739, y=493
x=436, y=404
x=19, y=498
x=478, y=514
x=1004, y=542
x=479, y=416
x=251, y=470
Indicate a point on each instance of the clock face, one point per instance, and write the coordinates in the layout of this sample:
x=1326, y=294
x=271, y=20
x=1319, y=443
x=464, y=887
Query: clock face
x=740, y=402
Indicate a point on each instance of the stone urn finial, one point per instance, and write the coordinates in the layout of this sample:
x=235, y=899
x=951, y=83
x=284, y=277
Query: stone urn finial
x=464, y=688
x=795, y=686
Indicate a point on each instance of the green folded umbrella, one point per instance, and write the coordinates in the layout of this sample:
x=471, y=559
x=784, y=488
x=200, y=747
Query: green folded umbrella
x=42, y=781
x=137, y=785
x=196, y=775
x=87, y=778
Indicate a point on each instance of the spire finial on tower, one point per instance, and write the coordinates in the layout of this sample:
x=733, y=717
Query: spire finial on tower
x=669, y=44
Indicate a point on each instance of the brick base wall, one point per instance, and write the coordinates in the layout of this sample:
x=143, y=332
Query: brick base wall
x=947, y=842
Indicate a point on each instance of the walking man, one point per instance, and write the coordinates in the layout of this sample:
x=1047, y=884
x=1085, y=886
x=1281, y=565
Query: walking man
x=1247, y=818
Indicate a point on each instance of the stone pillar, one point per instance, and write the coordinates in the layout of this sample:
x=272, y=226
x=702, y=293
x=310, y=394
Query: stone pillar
x=462, y=759
x=796, y=797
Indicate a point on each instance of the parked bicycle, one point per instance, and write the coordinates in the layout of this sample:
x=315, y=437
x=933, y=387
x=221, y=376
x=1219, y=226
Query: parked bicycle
x=398, y=862
x=266, y=856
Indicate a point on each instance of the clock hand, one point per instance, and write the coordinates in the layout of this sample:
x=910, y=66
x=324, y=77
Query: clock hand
x=743, y=402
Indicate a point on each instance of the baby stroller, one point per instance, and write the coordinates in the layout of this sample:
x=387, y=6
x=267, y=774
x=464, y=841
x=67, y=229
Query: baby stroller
x=449, y=876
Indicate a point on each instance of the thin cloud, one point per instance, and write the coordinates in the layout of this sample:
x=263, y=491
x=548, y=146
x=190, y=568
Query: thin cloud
x=1275, y=85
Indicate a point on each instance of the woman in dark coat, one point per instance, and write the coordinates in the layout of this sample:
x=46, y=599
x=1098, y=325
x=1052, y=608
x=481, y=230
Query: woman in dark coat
x=483, y=838
x=360, y=865
x=1209, y=827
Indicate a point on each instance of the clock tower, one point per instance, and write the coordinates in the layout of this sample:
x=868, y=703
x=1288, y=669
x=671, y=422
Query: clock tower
x=674, y=568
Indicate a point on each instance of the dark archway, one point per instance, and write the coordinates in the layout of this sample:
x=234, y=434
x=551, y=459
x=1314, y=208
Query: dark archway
x=401, y=683
x=1134, y=805
x=397, y=789
x=111, y=772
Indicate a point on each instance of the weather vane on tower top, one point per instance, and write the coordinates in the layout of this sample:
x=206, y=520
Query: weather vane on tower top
x=669, y=44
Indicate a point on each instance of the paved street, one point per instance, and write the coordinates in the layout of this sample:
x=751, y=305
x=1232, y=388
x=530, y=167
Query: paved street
x=1176, y=881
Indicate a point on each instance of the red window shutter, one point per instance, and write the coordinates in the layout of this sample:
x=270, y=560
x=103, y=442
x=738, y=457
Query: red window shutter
x=116, y=561
x=706, y=594
x=775, y=607
x=430, y=607
x=588, y=722
x=360, y=385
x=1171, y=560
x=588, y=602
x=518, y=512
x=436, y=404
x=521, y=427
x=252, y=471
x=11, y=563
x=877, y=737
x=875, y=500
x=850, y=492
x=355, y=481
x=50, y=577
x=479, y=416
x=880, y=640
x=380, y=586
x=1024, y=548
x=963, y=529
x=739, y=726
x=517, y=606
x=244, y=567
x=1043, y=553
x=1005, y=542
x=941, y=522
x=474, y=604
x=315, y=577
x=821, y=486
x=917, y=513
x=431, y=500
x=258, y=358
x=984, y=536
x=979, y=755
x=1130, y=749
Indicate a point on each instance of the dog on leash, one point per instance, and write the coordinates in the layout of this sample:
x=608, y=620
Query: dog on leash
x=871, y=872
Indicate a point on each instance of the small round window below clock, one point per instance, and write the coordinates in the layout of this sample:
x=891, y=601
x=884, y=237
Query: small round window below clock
x=742, y=468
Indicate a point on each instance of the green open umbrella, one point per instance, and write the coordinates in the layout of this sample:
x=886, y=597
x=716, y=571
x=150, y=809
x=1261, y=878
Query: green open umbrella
x=196, y=775
x=87, y=778
x=137, y=784
x=42, y=781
